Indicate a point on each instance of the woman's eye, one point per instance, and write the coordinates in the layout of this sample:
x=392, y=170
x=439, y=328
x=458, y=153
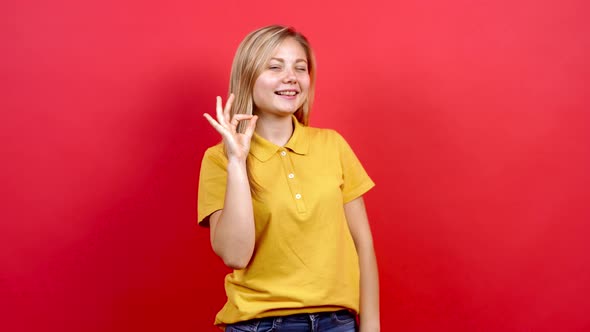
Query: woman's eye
x=274, y=67
x=301, y=69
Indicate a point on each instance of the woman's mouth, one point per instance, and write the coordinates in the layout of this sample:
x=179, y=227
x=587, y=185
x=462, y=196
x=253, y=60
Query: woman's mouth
x=287, y=93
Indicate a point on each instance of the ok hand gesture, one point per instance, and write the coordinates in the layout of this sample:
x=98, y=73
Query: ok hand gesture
x=237, y=145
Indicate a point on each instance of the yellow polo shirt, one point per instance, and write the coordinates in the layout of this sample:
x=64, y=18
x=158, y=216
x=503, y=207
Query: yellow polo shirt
x=304, y=258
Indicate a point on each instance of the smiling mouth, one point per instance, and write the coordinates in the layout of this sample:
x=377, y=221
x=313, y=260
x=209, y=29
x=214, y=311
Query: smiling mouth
x=286, y=93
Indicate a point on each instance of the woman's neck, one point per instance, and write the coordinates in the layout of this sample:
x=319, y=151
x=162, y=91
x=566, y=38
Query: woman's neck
x=277, y=130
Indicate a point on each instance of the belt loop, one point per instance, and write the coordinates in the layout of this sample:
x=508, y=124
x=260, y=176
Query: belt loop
x=314, y=321
x=276, y=323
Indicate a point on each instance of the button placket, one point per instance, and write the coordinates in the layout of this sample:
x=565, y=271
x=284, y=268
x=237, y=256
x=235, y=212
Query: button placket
x=293, y=183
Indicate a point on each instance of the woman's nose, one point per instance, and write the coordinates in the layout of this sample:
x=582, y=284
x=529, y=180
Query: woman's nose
x=290, y=76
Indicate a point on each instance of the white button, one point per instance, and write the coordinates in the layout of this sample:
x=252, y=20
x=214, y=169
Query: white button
x=291, y=175
x=298, y=196
x=283, y=153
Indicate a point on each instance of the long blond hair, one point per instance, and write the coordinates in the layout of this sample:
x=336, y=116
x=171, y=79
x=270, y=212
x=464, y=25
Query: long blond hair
x=251, y=59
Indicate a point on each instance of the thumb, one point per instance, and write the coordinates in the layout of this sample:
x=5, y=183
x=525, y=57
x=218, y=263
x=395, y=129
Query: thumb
x=251, y=126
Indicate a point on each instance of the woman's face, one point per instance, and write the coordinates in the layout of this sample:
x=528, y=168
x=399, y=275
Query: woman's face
x=283, y=85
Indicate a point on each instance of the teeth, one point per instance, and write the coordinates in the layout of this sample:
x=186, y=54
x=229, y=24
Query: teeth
x=286, y=93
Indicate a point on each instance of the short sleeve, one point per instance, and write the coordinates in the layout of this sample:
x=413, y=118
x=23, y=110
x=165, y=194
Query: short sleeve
x=212, y=183
x=356, y=181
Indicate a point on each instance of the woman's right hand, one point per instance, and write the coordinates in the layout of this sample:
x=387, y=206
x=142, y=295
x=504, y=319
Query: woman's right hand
x=237, y=145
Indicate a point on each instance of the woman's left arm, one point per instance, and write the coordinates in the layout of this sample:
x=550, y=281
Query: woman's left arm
x=358, y=223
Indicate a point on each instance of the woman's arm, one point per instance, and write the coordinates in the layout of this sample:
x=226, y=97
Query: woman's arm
x=232, y=228
x=358, y=223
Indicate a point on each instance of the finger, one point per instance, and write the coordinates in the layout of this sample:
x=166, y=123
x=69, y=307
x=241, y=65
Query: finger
x=251, y=126
x=228, y=104
x=219, y=112
x=242, y=117
x=237, y=118
x=215, y=124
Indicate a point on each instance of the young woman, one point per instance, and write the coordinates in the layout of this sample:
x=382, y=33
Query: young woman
x=284, y=201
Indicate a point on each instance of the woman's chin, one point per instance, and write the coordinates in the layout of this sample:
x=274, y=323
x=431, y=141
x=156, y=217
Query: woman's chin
x=285, y=110
x=280, y=110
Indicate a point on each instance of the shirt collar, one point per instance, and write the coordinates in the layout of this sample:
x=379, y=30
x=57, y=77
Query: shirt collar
x=298, y=143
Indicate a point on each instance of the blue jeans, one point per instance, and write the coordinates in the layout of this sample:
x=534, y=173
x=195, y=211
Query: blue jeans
x=339, y=321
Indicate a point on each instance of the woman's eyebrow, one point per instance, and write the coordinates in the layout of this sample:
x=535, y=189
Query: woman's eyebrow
x=282, y=60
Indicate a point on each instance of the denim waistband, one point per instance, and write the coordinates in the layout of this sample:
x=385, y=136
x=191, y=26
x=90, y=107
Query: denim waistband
x=313, y=320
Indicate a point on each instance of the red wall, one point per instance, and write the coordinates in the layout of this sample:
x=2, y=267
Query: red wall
x=471, y=116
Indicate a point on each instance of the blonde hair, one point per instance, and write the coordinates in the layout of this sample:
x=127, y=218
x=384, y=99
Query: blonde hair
x=251, y=59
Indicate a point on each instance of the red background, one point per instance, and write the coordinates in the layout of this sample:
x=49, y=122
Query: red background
x=471, y=116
